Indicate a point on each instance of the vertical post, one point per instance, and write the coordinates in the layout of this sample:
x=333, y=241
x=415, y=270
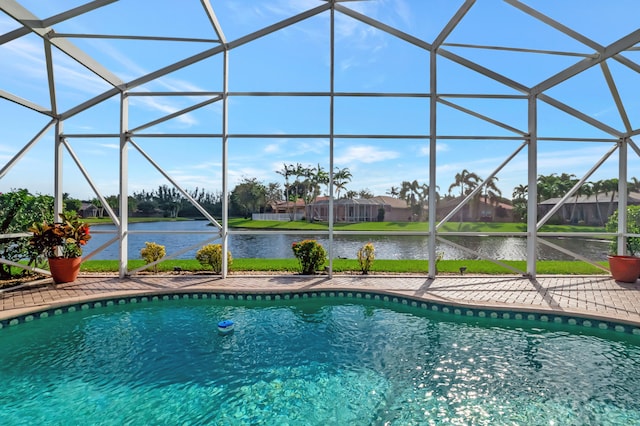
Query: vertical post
x=532, y=191
x=331, y=129
x=433, y=87
x=622, y=196
x=57, y=172
x=124, y=185
x=225, y=165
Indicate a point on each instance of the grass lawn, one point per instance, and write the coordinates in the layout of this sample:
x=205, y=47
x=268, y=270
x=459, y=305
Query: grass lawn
x=352, y=266
x=404, y=226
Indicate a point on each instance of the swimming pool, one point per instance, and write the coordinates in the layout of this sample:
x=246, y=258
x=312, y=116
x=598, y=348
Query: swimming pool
x=311, y=361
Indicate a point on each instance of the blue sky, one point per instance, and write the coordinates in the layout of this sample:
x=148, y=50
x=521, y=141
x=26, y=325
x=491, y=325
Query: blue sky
x=297, y=59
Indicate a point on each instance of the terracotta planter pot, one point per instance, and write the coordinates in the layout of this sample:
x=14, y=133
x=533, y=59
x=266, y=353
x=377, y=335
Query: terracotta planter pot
x=624, y=268
x=64, y=270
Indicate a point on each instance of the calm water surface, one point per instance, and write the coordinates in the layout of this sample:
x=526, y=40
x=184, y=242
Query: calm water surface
x=311, y=362
x=387, y=247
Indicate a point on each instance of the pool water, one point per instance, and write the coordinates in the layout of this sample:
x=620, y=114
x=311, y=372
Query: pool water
x=311, y=362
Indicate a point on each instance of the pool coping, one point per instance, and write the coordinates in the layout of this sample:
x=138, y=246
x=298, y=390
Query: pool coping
x=501, y=297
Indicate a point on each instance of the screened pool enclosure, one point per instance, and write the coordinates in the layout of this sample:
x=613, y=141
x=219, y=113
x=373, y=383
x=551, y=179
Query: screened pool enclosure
x=105, y=99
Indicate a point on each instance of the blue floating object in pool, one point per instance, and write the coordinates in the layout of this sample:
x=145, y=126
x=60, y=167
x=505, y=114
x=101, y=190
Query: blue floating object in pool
x=225, y=327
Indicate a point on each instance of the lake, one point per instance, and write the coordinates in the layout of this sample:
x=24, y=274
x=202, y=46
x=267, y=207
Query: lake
x=278, y=245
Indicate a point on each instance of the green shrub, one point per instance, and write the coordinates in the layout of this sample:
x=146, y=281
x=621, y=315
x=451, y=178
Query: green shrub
x=366, y=254
x=211, y=255
x=310, y=254
x=633, y=227
x=152, y=252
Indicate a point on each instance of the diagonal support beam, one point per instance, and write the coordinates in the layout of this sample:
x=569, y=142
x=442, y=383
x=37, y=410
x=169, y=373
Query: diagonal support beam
x=26, y=18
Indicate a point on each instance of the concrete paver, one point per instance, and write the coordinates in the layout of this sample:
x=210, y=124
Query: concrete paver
x=587, y=296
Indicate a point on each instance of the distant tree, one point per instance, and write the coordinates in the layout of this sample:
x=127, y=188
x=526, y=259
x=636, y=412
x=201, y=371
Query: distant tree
x=365, y=193
x=169, y=200
x=147, y=208
x=491, y=192
x=288, y=171
x=519, y=201
x=247, y=197
x=71, y=204
x=597, y=187
x=273, y=193
x=467, y=182
x=340, y=179
x=416, y=196
x=393, y=192
x=98, y=204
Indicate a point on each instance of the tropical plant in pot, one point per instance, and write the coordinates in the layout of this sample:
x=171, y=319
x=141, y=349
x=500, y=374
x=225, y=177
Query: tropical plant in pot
x=61, y=243
x=625, y=268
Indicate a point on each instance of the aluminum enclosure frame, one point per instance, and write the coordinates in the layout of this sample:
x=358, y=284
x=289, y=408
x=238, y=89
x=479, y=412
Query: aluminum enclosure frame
x=620, y=139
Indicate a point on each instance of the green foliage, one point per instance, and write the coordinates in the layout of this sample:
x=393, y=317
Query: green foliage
x=247, y=197
x=633, y=227
x=552, y=267
x=366, y=255
x=60, y=239
x=211, y=255
x=310, y=254
x=18, y=210
x=152, y=252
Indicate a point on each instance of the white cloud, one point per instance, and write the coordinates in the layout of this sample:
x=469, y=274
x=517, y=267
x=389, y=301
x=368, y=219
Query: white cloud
x=364, y=154
x=272, y=148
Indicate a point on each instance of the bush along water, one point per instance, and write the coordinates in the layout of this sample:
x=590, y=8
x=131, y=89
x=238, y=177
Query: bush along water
x=311, y=255
x=366, y=255
x=152, y=252
x=211, y=255
x=633, y=227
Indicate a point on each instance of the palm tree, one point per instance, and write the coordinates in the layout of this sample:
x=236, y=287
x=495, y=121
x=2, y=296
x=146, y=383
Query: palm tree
x=340, y=179
x=467, y=182
x=416, y=196
x=610, y=185
x=520, y=192
x=394, y=191
x=288, y=171
x=596, y=188
x=491, y=192
x=585, y=189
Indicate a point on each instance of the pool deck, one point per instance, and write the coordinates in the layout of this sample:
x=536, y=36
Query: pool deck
x=596, y=297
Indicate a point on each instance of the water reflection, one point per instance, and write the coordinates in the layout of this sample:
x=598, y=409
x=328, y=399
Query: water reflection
x=345, y=246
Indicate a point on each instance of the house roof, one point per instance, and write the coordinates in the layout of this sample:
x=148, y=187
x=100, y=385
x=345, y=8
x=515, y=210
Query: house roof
x=450, y=203
x=632, y=198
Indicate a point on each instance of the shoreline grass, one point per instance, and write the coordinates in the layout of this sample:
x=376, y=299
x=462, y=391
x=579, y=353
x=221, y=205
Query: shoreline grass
x=483, y=267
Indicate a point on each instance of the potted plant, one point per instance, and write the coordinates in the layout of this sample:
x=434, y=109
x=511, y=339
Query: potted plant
x=61, y=243
x=625, y=268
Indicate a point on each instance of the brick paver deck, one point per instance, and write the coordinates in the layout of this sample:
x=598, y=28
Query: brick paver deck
x=598, y=297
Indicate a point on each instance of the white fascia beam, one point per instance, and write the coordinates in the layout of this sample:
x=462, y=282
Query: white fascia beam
x=453, y=22
x=25, y=103
x=383, y=27
x=616, y=96
x=556, y=25
x=613, y=49
x=24, y=30
x=27, y=19
x=219, y=49
x=484, y=71
x=580, y=115
x=26, y=148
x=482, y=117
x=206, y=4
x=176, y=114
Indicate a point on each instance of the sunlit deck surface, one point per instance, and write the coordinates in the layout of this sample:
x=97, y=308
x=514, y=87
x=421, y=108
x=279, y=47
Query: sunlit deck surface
x=597, y=297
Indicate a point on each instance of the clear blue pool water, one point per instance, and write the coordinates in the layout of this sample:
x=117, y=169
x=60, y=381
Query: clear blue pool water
x=311, y=362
